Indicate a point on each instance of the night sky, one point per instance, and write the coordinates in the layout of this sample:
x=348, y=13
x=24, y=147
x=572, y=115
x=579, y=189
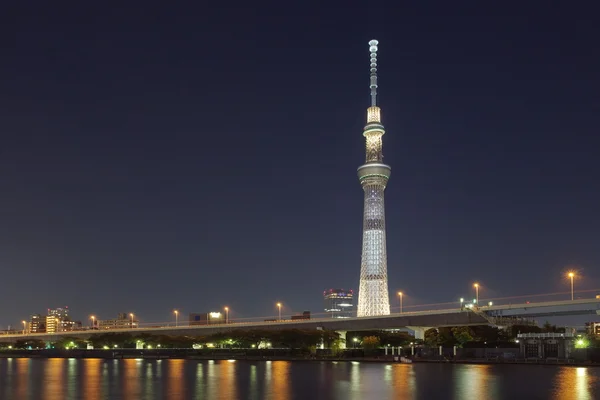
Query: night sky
x=162, y=157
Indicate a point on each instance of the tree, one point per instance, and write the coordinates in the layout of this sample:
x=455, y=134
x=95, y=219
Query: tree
x=121, y=340
x=462, y=335
x=445, y=337
x=370, y=342
x=29, y=344
x=395, y=339
x=485, y=333
x=70, y=343
x=331, y=339
x=431, y=337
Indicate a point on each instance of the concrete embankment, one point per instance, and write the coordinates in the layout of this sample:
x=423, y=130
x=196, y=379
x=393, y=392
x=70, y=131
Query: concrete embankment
x=258, y=355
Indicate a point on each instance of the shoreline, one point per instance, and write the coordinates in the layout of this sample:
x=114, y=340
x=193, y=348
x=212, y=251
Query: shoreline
x=137, y=354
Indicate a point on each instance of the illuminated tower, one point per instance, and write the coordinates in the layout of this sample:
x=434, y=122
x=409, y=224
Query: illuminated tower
x=373, y=296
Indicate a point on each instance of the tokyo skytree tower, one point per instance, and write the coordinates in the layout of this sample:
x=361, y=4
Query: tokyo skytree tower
x=373, y=298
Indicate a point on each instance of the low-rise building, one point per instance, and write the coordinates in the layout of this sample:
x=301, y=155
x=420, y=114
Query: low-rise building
x=208, y=318
x=593, y=329
x=37, y=324
x=56, y=324
x=546, y=345
x=123, y=321
x=58, y=320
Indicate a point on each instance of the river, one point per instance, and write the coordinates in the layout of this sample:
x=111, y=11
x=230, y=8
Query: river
x=95, y=379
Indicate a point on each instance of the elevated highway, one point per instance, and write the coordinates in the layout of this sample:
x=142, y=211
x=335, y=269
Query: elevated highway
x=546, y=309
x=418, y=321
x=437, y=318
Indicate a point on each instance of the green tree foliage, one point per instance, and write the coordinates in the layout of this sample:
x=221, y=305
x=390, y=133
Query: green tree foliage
x=395, y=339
x=486, y=333
x=370, y=342
x=296, y=338
x=68, y=342
x=330, y=338
x=121, y=340
x=445, y=337
x=462, y=335
x=29, y=344
x=439, y=337
x=431, y=337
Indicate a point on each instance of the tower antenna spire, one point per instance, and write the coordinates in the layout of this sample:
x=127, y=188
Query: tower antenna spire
x=373, y=50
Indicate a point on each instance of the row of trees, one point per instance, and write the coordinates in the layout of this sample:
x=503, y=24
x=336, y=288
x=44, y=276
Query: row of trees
x=465, y=336
x=289, y=338
x=471, y=336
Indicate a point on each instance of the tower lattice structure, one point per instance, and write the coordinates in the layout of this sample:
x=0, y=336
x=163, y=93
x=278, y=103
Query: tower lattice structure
x=373, y=297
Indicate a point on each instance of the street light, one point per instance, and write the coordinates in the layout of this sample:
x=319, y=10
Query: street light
x=131, y=315
x=24, y=326
x=226, y=315
x=279, y=307
x=176, y=317
x=400, y=294
x=461, y=302
x=490, y=304
x=93, y=318
x=476, y=285
x=572, y=275
x=355, y=340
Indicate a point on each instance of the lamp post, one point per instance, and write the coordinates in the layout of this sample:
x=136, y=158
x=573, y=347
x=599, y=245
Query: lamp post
x=572, y=275
x=24, y=326
x=355, y=340
x=400, y=294
x=279, y=307
x=131, y=315
x=461, y=303
x=226, y=315
x=93, y=318
x=476, y=285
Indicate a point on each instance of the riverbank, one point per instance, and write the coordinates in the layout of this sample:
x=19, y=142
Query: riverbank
x=166, y=354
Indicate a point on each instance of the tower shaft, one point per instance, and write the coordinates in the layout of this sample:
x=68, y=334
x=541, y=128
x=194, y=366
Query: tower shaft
x=373, y=297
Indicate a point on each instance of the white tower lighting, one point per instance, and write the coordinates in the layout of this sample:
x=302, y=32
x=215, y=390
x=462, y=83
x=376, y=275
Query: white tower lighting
x=373, y=298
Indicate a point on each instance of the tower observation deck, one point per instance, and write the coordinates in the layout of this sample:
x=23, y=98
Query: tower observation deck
x=373, y=297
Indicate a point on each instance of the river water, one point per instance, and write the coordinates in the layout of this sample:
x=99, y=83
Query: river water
x=95, y=379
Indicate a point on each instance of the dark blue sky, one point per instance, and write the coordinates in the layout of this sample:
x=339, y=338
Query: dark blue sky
x=161, y=157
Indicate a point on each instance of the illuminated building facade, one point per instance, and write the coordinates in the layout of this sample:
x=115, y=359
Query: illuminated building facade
x=593, y=329
x=207, y=318
x=123, y=321
x=339, y=303
x=373, y=298
x=58, y=320
x=62, y=313
x=37, y=324
x=56, y=324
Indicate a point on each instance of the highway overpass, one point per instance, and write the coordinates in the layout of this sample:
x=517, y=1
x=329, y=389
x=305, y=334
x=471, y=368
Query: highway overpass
x=546, y=309
x=417, y=321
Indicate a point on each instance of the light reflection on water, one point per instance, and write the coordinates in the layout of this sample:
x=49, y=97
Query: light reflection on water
x=175, y=390
x=22, y=378
x=96, y=379
x=476, y=382
x=53, y=381
x=91, y=378
x=576, y=384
